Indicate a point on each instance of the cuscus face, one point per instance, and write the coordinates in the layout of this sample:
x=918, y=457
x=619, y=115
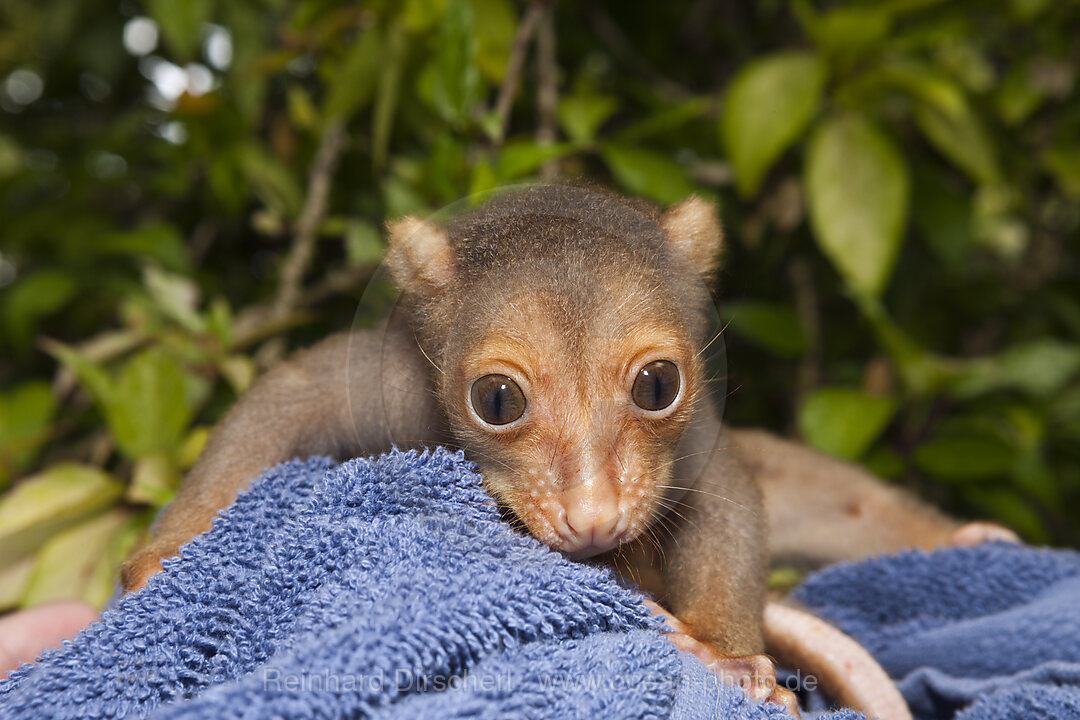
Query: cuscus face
x=565, y=330
x=573, y=400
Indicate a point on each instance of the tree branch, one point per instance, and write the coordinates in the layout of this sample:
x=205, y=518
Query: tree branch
x=505, y=99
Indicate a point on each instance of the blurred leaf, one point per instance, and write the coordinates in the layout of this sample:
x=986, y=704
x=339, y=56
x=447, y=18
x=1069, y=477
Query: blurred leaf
x=494, y=25
x=772, y=326
x=766, y=107
x=857, y=187
x=646, y=172
x=1040, y=367
x=844, y=421
x=191, y=446
x=844, y=28
x=25, y=413
x=238, y=370
x=961, y=138
x=219, y=322
x=1017, y=96
x=387, y=89
x=363, y=242
x=451, y=82
x=884, y=462
x=176, y=296
x=302, y=112
x=66, y=564
x=45, y=503
x=11, y=157
x=13, y=580
x=965, y=454
x=152, y=240
x=352, y=85
x=271, y=180
x=32, y=297
x=943, y=215
x=521, y=157
x=154, y=480
x=581, y=115
x=1012, y=511
x=180, y=23
x=1063, y=162
x=419, y=15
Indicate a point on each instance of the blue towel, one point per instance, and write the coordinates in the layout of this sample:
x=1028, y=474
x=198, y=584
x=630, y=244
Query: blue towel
x=391, y=588
x=980, y=633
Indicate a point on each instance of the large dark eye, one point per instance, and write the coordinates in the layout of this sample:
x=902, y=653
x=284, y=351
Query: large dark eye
x=497, y=399
x=656, y=385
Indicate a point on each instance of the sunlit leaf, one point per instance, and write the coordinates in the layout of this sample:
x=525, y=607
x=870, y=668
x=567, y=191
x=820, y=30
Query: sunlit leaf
x=41, y=505
x=451, y=81
x=857, y=187
x=844, y=421
x=521, y=157
x=148, y=407
x=766, y=107
x=154, y=480
x=643, y=171
x=177, y=296
x=25, y=413
x=581, y=115
x=363, y=242
x=67, y=563
x=13, y=580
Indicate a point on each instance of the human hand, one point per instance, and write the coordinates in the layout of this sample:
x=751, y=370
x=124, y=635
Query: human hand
x=25, y=633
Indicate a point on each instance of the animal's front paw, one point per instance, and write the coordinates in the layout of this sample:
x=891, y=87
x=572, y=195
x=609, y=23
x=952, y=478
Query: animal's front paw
x=755, y=674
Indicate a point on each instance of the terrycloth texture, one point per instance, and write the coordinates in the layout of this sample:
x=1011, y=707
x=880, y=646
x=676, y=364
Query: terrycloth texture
x=983, y=633
x=385, y=588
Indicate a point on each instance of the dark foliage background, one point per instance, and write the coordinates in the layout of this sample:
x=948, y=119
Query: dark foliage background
x=188, y=189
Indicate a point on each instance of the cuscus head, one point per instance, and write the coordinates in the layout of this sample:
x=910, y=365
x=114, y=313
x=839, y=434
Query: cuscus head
x=566, y=325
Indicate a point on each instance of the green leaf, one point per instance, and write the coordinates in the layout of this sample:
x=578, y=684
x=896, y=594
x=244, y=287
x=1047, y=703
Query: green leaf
x=387, y=90
x=451, y=81
x=154, y=480
x=642, y=171
x=844, y=421
x=13, y=580
x=177, y=296
x=521, y=157
x=965, y=454
x=581, y=115
x=67, y=564
x=961, y=137
x=363, y=242
x=846, y=29
x=943, y=215
x=857, y=187
x=45, y=503
x=11, y=158
x=1013, y=511
x=494, y=25
x=149, y=407
x=1063, y=162
x=352, y=84
x=180, y=22
x=154, y=239
x=271, y=180
x=772, y=326
x=25, y=413
x=1041, y=367
x=419, y=15
x=32, y=297
x=766, y=107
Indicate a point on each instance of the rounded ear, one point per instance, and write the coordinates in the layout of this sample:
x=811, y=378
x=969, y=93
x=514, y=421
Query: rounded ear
x=691, y=226
x=419, y=256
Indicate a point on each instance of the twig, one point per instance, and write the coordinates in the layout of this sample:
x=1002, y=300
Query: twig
x=505, y=99
x=547, y=93
x=311, y=217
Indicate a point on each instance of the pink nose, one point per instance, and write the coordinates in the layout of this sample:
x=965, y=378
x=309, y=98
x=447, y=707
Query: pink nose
x=593, y=518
